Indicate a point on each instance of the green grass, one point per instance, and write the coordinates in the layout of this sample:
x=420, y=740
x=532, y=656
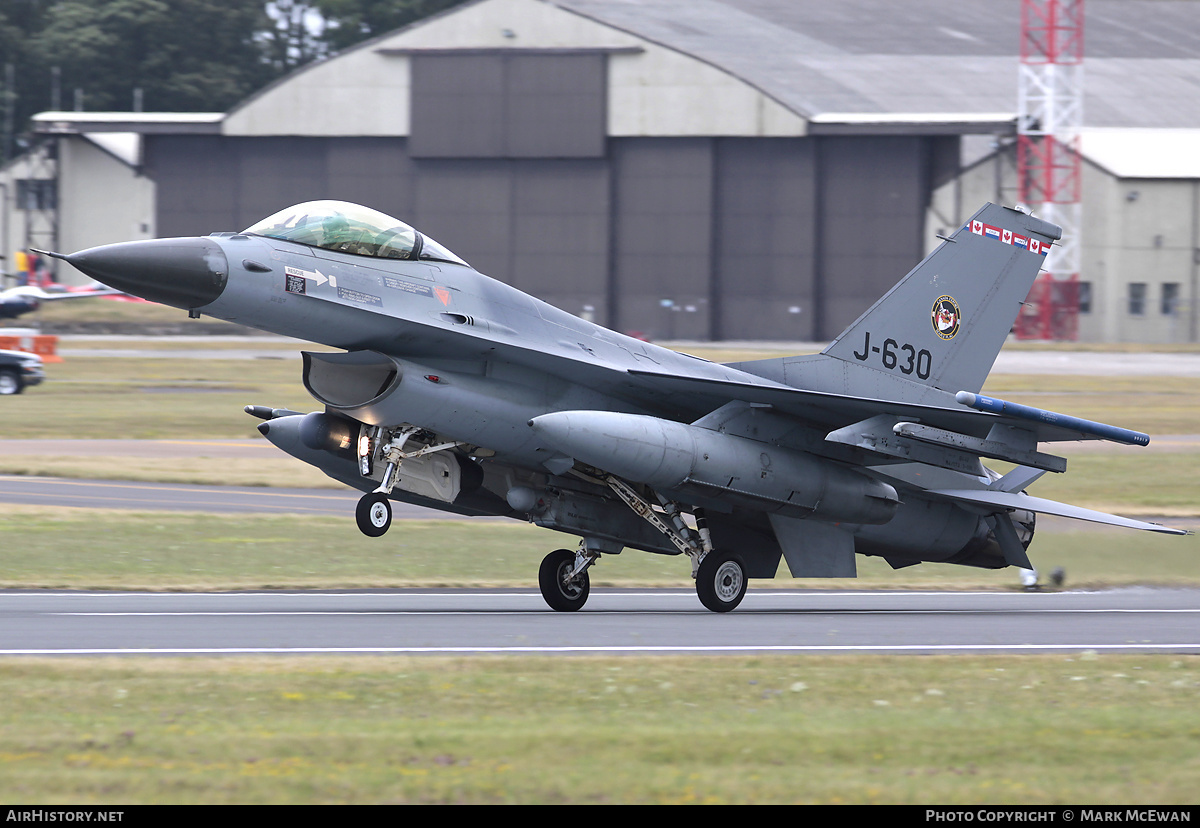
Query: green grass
x=281, y=471
x=95, y=549
x=132, y=398
x=1132, y=482
x=153, y=398
x=1155, y=405
x=847, y=730
x=99, y=314
x=1156, y=484
x=188, y=399
x=1083, y=729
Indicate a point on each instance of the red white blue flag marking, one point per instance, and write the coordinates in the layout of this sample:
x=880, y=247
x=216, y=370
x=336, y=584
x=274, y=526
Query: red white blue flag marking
x=1009, y=237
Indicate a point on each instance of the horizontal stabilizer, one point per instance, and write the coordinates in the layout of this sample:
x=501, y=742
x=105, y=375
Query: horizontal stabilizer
x=1005, y=501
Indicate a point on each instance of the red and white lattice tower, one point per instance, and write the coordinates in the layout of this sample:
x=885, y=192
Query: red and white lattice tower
x=1049, y=168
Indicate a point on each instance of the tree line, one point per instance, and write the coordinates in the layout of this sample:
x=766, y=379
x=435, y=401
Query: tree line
x=170, y=55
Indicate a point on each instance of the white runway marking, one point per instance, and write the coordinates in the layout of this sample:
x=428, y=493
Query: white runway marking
x=608, y=649
x=680, y=593
x=542, y=611
x=633, y=622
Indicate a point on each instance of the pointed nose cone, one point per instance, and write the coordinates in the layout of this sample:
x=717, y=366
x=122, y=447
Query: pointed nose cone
x=183, y=273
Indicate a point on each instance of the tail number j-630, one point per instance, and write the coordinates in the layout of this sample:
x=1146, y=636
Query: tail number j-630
x=895, y=356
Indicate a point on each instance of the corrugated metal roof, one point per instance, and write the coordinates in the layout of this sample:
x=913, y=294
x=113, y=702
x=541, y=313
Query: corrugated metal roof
x=830, y=60
x=1141, y=65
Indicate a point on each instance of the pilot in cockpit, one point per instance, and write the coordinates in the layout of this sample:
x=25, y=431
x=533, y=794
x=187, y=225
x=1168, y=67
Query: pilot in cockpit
x=339, y=235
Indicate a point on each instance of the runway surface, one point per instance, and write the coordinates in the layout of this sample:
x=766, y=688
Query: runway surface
x=181, y=497
x=615, y=621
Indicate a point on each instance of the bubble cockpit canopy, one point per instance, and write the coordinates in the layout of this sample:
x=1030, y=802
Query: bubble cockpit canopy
x=350, y=228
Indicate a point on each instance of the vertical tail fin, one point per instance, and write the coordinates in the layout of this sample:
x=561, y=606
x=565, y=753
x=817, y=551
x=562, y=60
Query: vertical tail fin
x=944, y=323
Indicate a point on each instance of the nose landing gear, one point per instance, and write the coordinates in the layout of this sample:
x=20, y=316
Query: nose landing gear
x=377, y=444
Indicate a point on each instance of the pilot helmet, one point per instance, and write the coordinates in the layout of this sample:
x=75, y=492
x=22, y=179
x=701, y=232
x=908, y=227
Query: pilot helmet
x=336, y=229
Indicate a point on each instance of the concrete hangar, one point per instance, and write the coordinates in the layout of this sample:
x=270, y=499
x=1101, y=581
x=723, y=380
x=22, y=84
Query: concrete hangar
x=690, y=169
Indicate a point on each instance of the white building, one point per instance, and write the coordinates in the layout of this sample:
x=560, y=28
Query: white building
x=1140, y=258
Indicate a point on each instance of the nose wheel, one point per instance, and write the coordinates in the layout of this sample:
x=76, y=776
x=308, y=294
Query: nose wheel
x=374, y=514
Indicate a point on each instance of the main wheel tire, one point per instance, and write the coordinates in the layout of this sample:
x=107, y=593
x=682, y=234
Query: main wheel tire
x=721, y=581
x=374, y=514
x=10, y=382
x=562, y=597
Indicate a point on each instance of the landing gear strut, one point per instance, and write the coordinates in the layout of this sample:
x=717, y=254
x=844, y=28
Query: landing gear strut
x=720, y=576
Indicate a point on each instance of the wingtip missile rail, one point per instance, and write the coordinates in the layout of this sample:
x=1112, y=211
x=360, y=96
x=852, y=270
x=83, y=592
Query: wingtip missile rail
x=1091, y=428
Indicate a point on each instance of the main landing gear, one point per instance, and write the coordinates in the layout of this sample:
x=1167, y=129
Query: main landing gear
x=563, y=578
x=720, y=575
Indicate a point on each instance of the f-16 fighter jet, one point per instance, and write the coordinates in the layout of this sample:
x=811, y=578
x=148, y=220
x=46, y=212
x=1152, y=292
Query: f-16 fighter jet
x=456, y=391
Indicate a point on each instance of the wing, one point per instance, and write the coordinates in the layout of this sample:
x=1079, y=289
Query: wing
x=835, y=411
